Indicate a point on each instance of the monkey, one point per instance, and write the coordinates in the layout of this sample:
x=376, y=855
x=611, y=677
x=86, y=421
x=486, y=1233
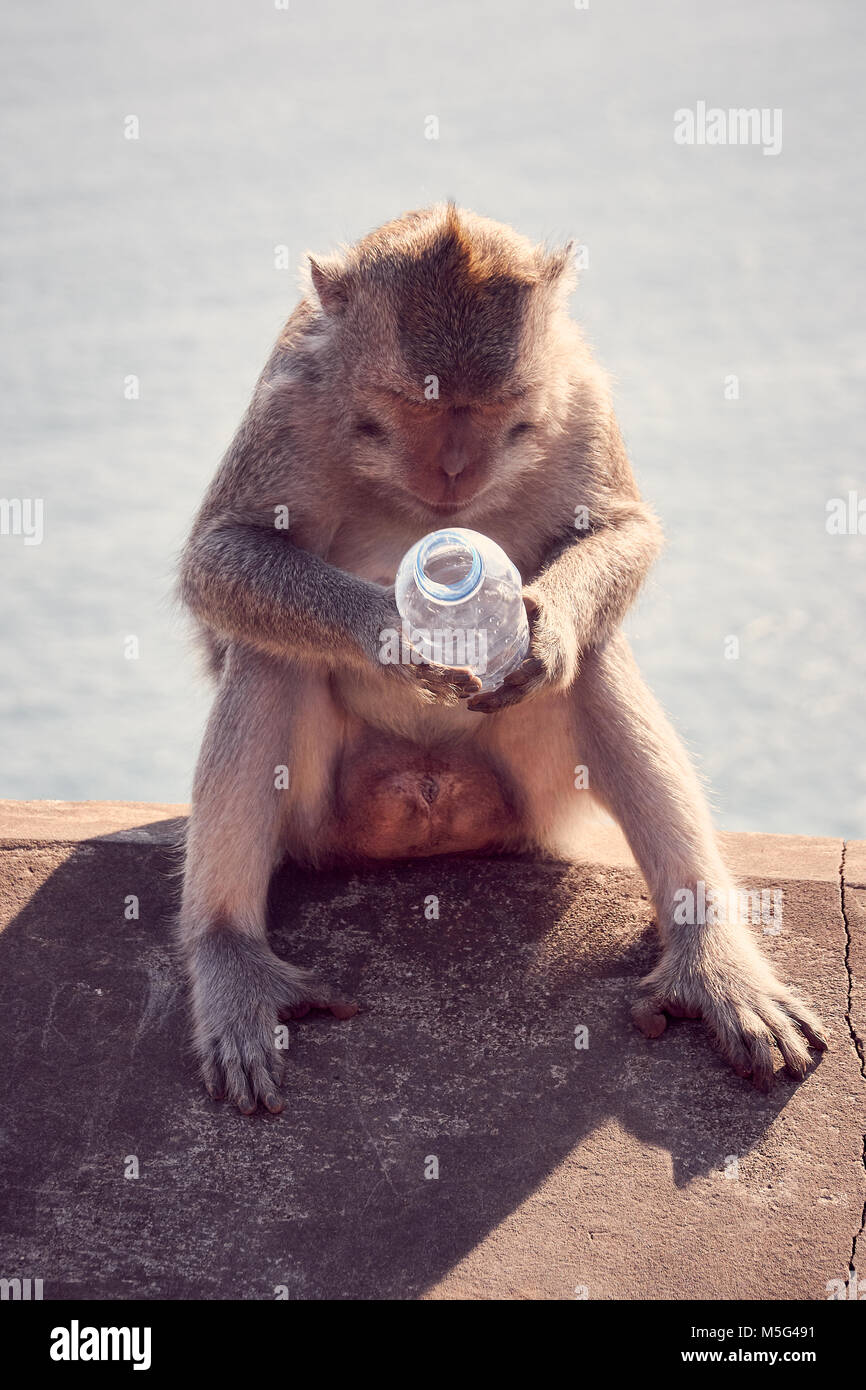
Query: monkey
x=430, y=376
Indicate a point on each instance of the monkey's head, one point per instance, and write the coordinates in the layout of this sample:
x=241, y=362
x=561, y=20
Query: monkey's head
x=446, y=360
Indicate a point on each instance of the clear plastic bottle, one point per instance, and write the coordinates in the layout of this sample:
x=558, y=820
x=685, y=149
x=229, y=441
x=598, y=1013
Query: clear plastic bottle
x=460, y=598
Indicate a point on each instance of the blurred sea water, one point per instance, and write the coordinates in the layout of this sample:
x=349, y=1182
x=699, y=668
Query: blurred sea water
x=303, y=127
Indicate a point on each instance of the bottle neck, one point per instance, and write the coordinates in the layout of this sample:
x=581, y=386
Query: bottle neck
x=448, y=568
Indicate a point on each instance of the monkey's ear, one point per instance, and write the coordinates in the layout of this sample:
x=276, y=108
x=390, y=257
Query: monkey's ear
x=559, y=268
x=330, y=282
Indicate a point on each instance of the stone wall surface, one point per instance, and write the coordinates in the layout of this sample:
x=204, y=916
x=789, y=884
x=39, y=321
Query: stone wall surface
x=625, y=1169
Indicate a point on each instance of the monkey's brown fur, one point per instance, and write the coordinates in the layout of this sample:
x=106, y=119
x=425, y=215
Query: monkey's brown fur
x=346, y=430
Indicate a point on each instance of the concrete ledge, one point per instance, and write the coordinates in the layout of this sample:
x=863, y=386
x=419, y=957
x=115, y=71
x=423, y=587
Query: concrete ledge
x=630, y=1169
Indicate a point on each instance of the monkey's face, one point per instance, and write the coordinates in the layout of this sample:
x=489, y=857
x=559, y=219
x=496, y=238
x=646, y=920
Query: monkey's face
x=444, y=459
x=438, y=329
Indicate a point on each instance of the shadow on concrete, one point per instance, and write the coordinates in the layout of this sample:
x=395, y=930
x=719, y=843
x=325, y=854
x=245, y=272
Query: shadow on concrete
x=462, y=1059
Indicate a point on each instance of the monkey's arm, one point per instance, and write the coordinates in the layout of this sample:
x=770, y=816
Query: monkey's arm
x=251, y=583
x=585, y=585
x=588, y=584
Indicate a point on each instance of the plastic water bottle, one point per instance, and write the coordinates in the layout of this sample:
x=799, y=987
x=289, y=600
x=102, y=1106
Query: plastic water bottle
x=459, y=596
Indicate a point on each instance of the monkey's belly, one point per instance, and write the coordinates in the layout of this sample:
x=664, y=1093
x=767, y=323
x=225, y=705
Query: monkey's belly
x=396, y=800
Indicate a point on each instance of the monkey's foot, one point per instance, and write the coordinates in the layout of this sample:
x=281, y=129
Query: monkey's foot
x=241, y=991
x=745, y=1007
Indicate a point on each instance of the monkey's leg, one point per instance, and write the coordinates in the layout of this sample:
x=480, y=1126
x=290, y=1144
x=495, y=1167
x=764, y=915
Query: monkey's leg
x=259, y=789
x=710, y=969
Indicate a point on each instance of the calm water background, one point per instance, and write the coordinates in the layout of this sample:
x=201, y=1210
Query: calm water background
x=305, y=127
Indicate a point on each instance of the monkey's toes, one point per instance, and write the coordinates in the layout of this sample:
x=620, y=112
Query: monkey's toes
x=343, y=1008
x=747, y=1035
x=340, y=1008
x=649, y=1017
x=746, y=1027
x=244, y=1083
x=808, y=1022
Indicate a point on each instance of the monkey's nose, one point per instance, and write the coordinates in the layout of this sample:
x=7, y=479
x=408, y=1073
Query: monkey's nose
x=453, y=464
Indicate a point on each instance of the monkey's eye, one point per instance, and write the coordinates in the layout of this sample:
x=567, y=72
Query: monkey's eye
x=520, y=431
x=369, y=429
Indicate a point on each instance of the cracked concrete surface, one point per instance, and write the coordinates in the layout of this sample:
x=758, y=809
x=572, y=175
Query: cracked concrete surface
x=852, y=879
x=451, y=1141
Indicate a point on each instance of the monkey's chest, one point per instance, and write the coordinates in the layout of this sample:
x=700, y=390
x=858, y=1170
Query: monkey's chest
x=395, y=799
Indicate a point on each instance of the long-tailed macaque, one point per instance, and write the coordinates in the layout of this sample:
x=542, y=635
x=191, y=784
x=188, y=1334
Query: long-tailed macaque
x=431, y=376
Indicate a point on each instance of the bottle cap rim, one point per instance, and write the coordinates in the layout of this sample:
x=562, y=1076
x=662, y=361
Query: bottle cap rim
x=463, y=588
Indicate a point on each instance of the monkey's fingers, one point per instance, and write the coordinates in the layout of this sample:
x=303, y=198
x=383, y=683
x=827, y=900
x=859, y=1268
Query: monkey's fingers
x=529, y=677
x=531, y=602
x=448, y=682
x=530, y=673
x=496, y=700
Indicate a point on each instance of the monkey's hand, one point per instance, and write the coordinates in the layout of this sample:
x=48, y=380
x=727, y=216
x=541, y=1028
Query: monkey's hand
x=727, y=982
x=440, y=685
x=430, y=681
x=551, y=662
